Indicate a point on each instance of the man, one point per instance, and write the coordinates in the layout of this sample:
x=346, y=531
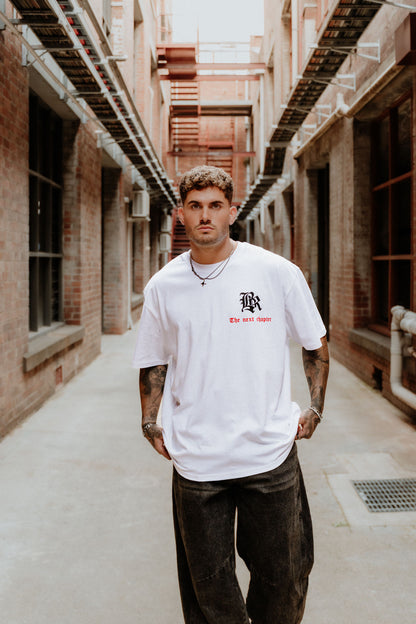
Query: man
x=213, y=339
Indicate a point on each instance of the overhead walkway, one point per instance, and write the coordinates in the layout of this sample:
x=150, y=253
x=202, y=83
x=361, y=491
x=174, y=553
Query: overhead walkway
x=64, y=31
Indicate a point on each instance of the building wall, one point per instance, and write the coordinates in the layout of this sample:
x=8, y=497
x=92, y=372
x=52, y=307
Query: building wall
x=342, y=147
x=14, y=233
x=104, y=265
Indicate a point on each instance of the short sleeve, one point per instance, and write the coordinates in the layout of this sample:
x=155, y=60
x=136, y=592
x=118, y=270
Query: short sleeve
x=303, y=320
x=150, y=344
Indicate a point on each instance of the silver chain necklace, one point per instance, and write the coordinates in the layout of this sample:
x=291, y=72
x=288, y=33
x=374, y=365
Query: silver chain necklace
x=218, y=270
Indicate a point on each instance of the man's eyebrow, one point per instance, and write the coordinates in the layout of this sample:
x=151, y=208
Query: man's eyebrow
x=198, y=203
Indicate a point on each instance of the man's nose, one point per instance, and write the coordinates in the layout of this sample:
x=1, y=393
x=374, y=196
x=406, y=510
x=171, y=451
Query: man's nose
x=205, y=214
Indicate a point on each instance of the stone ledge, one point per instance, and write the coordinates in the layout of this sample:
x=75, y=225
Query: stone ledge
x=136, y=301
x=371, y=341
x=43, y=347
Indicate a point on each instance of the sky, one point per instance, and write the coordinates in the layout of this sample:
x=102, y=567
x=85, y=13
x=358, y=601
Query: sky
x=218, y=20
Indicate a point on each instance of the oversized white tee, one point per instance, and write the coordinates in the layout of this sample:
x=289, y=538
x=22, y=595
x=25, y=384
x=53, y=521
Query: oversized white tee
x=227, y=410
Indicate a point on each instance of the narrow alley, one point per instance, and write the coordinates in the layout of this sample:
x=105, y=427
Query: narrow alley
x=85, y=521
x=310, y=108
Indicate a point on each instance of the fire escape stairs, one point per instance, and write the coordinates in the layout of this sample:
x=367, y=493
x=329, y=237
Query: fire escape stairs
x=180, y=242
x=185, y=111
x=185, y=135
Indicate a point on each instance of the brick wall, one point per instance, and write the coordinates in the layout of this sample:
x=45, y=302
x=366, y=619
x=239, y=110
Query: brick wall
x=14, y=224
x=115, y=253
x=344, y=146
x=86, y=208
x=22, y=392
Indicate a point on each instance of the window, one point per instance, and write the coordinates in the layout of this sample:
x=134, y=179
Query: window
x=392, y=246
x=45, y=215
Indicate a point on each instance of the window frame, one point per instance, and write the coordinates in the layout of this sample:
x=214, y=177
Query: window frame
x=390, y=185
x=45, y=216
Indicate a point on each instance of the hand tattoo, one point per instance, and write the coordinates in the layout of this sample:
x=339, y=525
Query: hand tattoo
x=153, y=432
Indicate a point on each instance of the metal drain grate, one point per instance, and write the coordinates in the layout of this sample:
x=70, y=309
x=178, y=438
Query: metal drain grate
x=388, y=494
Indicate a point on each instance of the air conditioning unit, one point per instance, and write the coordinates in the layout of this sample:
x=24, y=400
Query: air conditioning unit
x=166, y=224
x=164, y=243
x=140, y=208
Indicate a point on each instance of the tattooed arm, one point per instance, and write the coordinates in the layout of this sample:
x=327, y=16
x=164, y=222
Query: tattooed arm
x=316, y=367
x=151, y=383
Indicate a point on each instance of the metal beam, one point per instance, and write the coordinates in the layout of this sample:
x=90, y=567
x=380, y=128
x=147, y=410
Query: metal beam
x=224, y=152
x=212, y=77
x=215, y=66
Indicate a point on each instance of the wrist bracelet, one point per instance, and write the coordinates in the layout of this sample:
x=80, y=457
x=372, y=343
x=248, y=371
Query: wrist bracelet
x=146, y=427
x=315, y=411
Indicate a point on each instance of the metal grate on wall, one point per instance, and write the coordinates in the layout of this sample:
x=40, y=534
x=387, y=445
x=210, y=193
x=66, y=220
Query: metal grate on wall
x=387, y=494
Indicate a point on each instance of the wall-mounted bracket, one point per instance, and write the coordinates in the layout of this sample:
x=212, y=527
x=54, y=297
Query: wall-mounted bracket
x=355, y=49
x=346, y=81
x=320, y=108
x=107, y=59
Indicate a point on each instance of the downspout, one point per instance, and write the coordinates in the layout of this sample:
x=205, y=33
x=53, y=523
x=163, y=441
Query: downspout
x=262, y=124
x=129, y=272
x=402, y=321
x=248, y=149
x=295, y=40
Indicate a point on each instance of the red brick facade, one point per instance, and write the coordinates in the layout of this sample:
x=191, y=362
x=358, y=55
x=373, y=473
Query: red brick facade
x=338, y=146
x=106, y=257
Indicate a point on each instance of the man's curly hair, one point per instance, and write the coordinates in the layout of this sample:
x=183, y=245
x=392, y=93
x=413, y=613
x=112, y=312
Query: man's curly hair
x=201, y=177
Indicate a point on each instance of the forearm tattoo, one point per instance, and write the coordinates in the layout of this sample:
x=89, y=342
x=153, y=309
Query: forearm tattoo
x=151, y=383
x=316, y=366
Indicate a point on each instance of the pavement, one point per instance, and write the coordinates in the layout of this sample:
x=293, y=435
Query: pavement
x=85, y=512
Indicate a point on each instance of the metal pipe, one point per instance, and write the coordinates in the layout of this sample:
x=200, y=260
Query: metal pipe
x=248, y=148
x=295, y=40
x=262, y=124
x=402, y=321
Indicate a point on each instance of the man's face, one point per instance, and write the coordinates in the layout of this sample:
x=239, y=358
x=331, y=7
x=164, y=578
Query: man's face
x=207, y=216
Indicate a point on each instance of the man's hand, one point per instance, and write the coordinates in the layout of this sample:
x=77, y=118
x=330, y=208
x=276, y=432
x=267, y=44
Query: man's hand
x=308, y=421
x=154, y=434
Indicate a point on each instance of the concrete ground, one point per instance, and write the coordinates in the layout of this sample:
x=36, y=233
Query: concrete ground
x=85, y=521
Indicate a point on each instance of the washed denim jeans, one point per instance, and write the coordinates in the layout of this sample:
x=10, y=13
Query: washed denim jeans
x=274, y=538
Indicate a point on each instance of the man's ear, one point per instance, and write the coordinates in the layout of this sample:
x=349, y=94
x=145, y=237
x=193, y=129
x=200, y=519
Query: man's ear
x=180, y=214
x=233, y=214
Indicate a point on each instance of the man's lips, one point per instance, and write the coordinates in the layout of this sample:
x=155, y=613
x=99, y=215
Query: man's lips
x=204, y=227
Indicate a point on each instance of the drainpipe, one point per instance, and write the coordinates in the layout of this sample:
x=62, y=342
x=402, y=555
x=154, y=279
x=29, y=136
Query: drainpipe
x=295, y=40
x=262, y=123
x=248, y=149
x=402, y=321
x=129, y=271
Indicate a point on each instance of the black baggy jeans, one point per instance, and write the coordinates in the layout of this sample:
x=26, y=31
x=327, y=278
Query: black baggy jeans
x=274, y=538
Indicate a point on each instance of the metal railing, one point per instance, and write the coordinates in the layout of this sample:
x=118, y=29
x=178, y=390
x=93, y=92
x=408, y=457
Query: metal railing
x=403, y=322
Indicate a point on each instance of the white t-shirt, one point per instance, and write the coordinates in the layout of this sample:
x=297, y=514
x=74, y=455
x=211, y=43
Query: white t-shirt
x=227, y=409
